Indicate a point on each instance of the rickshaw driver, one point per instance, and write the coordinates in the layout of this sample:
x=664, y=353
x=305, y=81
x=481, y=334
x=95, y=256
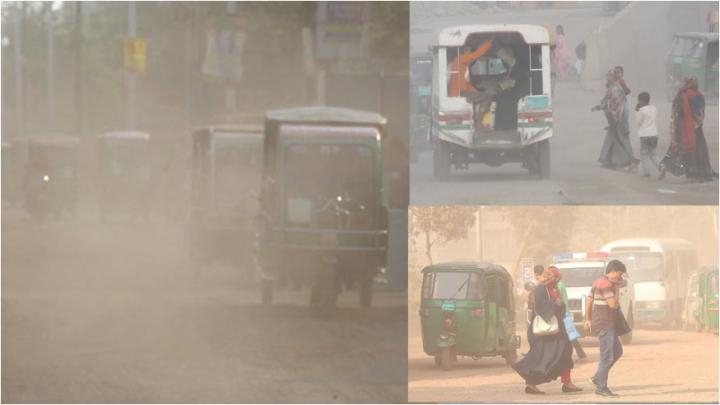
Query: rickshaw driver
x=512, y=89
x=459, y=83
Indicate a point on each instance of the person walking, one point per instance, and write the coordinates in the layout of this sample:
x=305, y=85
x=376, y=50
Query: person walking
x=459, y=83
x=688, y=153
x=616, y=151
x=645, y=116
x=560, y=54
x=601, y=312
x=550, y=354
x=573, y=334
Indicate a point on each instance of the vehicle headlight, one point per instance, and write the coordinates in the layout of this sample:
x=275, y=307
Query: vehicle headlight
x=46, y=178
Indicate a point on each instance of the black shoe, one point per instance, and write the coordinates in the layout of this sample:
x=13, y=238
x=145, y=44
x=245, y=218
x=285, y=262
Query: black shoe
x=663, y=171
x=606, y=393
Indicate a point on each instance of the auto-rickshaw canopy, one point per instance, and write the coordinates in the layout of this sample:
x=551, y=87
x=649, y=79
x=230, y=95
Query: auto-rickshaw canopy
x=479, y=267
x=325, y=115
x=129, y=135
x=57, y=140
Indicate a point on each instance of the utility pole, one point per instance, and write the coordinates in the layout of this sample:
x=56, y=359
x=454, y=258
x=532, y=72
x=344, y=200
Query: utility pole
x=230, y=96
x=131, y=77
x=478, y=234
x=78, y=69
x=50, y=24
x=18, y=10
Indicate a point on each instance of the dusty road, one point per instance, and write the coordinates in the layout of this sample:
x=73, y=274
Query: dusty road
x=659, y=366
x=93, y=314
x=576, y=177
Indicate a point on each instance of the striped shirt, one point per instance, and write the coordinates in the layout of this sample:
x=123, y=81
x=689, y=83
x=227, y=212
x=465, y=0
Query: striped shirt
x=601, y=315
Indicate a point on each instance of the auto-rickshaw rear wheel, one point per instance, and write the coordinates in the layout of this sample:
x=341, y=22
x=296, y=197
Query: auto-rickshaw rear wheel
x=444, y=359
x=510, y=357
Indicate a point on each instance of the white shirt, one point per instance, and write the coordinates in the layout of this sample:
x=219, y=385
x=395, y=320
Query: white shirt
x=645, y=118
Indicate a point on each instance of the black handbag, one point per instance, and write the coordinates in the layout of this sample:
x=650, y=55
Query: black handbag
x=621, y=325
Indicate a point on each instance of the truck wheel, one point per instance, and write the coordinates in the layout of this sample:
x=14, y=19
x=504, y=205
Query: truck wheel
x=543, y=159
x=445, y=358
x=441, y=161
x=324, y=293
x=267, y=292
x=510, y=357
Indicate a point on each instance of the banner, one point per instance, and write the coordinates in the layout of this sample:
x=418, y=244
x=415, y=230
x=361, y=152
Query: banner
x=135, y=55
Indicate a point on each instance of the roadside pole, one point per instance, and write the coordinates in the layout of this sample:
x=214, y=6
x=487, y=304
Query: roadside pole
x=17, y=50
x=131, y=76
x=230, y=96
x=50, y=24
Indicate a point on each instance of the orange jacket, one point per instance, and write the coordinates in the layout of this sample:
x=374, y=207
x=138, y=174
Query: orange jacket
x=459, y=65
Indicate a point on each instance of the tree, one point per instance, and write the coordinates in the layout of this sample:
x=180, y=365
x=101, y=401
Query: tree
x=438, y=225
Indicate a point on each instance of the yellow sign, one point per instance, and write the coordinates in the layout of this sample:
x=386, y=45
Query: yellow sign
x=135, y=54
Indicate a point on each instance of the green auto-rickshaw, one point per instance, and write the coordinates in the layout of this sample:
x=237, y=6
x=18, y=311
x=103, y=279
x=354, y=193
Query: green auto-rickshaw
x=124, y=172
x=323, y=221
x=693, y=54
x=50, y=186
x=225, y=188
x=701, y=305
x=467, y=309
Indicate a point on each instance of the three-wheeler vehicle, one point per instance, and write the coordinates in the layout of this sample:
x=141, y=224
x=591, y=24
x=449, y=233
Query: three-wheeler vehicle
x=323, y=220
x=693, y=54
x=504, y=112
x=225, y=183
x=50, y=186
x=124, y=173
x=701, y=302
x=467, y=309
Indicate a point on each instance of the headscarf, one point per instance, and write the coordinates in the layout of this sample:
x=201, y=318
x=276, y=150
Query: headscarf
x=551, y=275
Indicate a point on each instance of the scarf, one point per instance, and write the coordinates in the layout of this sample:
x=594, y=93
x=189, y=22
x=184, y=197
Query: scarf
x=688, y=129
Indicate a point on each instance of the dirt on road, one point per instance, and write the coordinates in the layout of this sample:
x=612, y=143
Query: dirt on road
x=110, y=313
x=659, y=366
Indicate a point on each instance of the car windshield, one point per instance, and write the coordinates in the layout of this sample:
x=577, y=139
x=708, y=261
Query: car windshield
x=453, y=285
x=330, y=185
x=642, y=267
x=581, y=276
x=237, y=176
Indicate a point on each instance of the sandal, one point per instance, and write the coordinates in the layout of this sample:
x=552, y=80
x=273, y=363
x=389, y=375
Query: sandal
x=532, y=390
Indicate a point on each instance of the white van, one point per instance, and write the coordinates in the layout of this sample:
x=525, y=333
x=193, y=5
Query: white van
x=497, y=123
x=579, y=271
x=660, y=269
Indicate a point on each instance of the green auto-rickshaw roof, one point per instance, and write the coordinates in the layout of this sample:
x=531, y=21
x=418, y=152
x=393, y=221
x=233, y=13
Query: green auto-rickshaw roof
x=326, y=115
x=481, y=267
x=707, y=36
x=59, y=140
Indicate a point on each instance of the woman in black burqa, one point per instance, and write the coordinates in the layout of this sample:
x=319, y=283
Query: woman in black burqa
x=549, y=355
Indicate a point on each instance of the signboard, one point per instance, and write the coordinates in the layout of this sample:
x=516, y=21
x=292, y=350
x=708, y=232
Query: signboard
x=526, y=269
x=342, y=29
x=135, y=55
x=223, y=54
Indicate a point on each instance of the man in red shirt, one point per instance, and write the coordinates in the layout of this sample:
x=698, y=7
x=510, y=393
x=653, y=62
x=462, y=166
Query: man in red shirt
x=600, y=314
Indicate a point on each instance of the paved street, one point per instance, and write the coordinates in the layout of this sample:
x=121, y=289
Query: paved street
x=110, y=314
x=659, y=366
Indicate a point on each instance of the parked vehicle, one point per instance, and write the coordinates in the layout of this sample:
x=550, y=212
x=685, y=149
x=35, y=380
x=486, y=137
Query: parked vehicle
x=659, y=269
x=225, y=189
x=50, y=186
x=492, y=126
x=579, y=271
x=420, y=101
x=701, y=301
x=323, y=218
x=124, y=173
x=467, y=309
x=693, y=54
